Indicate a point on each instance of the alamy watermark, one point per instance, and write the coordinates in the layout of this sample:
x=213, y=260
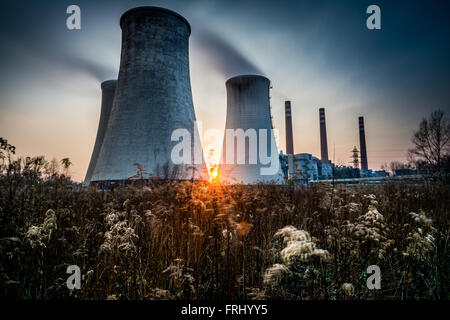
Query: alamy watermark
x=374, y=280
x=250, y=146
x=74, y=280
x=73, y=21
x=373, y=22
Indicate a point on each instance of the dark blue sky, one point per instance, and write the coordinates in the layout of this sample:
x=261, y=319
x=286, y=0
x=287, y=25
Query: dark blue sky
x=317, y=53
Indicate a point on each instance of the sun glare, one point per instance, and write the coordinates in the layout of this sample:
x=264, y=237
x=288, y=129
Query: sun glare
x=214, y=174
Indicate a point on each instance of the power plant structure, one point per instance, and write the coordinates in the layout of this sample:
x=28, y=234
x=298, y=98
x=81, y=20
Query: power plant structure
x=248, y=111
x=323, y=136
x=152, y=99
x=108, y=89
x=302, y=168
x=355, y=158
x=362, y=145
x=289, y=133
x=146, y=109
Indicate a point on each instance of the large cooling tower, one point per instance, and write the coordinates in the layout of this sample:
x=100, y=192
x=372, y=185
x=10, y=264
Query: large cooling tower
x=108, y=89
x=248, y=109
x=323, y=136
x=153, y=98
x=362, y=143
x=288, y=124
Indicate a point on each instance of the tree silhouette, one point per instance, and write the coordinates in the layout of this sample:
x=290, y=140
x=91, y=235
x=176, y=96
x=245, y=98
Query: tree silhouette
x=66, y=163
x=431, y=142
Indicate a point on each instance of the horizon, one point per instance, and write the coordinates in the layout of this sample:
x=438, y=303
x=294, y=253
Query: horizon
x=315, y=55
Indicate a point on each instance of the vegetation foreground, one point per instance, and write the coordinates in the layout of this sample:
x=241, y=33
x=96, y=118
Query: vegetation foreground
x=196, y=240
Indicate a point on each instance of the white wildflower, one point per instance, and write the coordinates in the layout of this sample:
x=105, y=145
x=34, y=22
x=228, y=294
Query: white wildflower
x=348, y=289
x=274, y=274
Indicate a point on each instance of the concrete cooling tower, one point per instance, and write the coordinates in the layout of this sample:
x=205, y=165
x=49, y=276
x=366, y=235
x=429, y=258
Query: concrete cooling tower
x=248, y=111
x=152, y=99
x=108, y=89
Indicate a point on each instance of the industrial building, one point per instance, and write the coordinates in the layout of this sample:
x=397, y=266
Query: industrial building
x=325, y=169
x=304, y=167
x=152, y=98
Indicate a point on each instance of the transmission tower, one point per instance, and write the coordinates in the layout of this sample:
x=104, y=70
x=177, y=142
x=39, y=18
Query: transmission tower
x=355, y=157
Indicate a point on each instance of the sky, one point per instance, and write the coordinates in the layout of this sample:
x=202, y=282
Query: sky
x=317, y=53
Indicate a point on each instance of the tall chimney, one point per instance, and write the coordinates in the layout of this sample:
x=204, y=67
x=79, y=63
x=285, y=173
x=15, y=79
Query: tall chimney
x=108, y=89
x=362, y=143
x=323, y=136
x=289, y=135
x=153, y=99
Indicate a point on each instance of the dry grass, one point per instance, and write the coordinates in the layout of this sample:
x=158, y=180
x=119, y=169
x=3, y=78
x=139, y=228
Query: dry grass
x=187, y=240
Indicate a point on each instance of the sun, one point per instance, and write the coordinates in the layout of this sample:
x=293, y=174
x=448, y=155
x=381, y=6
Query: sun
x=214, y=174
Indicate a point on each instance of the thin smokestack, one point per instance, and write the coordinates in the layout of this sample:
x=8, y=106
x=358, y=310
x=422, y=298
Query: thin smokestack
x=362, y=142
x=323, y=136
x=289, y=135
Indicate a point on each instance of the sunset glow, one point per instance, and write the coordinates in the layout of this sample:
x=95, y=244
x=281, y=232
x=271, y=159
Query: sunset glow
x=224, y=159
x=214, y=174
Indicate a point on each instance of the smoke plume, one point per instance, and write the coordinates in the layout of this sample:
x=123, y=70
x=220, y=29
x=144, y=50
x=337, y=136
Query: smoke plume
x=226, y=58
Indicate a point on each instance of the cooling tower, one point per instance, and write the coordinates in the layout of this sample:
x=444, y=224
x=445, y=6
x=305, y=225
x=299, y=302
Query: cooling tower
x=289, y=134
x=362, y=143
x=323, y=136
x=248, y=111
x=153, y=98
x=108, y=89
